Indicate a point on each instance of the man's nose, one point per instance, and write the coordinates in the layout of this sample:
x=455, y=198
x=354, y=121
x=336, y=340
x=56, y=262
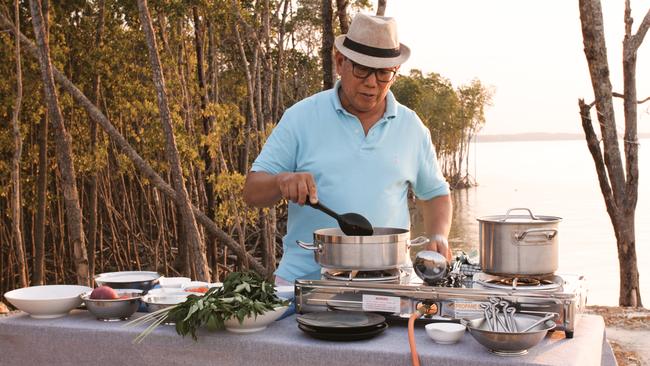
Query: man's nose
x=371, y=79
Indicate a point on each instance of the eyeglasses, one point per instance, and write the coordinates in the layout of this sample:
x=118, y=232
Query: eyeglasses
x=362, y=72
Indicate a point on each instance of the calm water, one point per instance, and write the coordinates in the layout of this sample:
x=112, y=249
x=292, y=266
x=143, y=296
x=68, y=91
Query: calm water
x=555, y=178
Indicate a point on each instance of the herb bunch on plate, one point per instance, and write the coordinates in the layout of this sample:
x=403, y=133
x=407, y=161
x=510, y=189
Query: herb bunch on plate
x=243, y=294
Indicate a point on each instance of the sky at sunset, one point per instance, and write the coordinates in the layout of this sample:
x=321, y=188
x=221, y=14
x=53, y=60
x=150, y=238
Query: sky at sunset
x=531, y=52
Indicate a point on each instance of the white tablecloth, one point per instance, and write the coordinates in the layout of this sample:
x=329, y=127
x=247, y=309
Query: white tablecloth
x=79, y=339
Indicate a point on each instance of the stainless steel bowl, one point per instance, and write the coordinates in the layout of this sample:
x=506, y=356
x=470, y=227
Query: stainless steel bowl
x=162, y=301
x=510, y=344
x=116, y=309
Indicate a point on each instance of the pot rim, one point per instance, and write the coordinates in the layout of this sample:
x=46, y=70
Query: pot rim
x=382, y=235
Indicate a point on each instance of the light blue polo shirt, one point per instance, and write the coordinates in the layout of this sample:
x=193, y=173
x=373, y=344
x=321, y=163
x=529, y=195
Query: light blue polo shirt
x=369, y=175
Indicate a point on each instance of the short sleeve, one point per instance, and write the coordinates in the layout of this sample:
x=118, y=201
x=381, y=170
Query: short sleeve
x=430, y=182
x=279, y=152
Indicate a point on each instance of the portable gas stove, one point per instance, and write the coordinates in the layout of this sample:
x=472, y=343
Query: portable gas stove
x=397, y=294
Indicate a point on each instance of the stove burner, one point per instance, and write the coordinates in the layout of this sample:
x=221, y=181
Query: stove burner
x=363, y=276
x=518, y=283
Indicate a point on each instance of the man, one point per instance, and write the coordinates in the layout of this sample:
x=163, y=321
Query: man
x=355, y=148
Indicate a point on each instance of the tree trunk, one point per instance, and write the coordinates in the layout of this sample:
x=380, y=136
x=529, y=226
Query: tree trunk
x=327, y=44
x=381, y=7
x=618, y=186
x=145, y=169
x=63, y=150
x=16, y=206
x=38, y=267
x=187, y=219
x=92, y=185
x=342, y=14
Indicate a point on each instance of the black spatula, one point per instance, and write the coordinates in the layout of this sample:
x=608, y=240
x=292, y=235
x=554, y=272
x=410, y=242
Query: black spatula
x=351, y=224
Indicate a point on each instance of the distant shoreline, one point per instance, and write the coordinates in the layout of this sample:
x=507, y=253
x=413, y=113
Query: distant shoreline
x=537, y=136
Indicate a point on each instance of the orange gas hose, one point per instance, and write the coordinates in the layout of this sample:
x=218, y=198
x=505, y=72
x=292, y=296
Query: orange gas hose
x=415, y=359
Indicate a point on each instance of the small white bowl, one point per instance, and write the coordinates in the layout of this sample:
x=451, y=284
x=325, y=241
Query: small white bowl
x=46, y=302
x=255, y=323
x=173, y=282
x=445, y=333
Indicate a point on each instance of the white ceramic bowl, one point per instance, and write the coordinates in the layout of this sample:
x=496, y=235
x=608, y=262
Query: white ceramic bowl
x=173, y=282
x=445, y=333
x=254, y=324
x=46, y=302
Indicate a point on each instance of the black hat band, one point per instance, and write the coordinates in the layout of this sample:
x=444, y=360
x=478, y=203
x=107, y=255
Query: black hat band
x=371, y=51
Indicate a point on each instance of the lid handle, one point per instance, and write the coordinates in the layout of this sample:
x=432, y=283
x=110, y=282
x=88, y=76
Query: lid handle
x=520, y=209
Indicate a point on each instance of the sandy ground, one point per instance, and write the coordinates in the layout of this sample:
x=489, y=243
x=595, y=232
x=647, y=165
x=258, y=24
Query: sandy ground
x=628, y=331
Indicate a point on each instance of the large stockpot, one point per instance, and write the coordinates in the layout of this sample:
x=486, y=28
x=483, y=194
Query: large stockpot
x=524, y=245
x=387, y=248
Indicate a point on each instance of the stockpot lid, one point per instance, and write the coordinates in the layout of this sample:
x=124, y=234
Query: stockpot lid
x=529, y=218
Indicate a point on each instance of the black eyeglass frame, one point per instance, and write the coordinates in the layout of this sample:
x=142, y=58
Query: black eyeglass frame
x=362, y=72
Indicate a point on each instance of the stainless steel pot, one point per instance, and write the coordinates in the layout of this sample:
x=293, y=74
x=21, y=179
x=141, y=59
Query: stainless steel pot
x=387, y=248
x=519, y=244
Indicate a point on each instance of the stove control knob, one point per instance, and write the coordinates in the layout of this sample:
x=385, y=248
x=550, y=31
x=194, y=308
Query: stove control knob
x=427, y=309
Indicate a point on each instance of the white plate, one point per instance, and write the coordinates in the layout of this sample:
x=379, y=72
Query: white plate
x=126, y=276
x=173, y=282
x=254, y=324
x=285, y=292
x=46, y=302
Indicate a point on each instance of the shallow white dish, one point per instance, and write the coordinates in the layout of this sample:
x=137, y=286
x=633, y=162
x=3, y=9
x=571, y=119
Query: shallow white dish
x=445, y=333
x=169, y=291
x=127, y=276
x=173, y=282
x=254, y=324
x=199, y=284
x=46, y=302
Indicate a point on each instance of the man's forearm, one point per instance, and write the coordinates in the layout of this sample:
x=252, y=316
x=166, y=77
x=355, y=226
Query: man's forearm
x=261, y=189
x=437, y=214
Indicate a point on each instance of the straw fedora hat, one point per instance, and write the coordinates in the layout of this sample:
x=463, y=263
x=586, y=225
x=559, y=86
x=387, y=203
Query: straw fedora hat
x=372, y=41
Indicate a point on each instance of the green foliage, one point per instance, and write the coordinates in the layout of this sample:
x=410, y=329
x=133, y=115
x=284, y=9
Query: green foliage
x=243, y=294
x=453, y=115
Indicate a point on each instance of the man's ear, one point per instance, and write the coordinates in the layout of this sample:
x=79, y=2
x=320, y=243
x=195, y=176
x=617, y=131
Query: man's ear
x=339, y=59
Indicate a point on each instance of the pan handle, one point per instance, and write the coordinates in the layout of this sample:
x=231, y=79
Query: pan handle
x=420, y=240
x=308, y=246
x=549, y=233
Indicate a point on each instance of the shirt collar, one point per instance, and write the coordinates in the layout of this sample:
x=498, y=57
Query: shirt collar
x=391, y=102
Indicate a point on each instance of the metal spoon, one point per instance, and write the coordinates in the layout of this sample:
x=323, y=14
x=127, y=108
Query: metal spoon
x=351, y=224
x=540, y=321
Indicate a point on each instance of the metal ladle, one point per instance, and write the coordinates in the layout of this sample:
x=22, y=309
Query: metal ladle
x=430, y=266
x=351, y=224
x=540, y=321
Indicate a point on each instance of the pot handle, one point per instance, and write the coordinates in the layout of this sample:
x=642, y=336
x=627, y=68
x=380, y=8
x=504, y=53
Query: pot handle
x=550, y=233
x=420, y=240
x=308, y=246
x=520, y=208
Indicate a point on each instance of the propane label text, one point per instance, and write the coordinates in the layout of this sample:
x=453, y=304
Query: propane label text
x=388, y=304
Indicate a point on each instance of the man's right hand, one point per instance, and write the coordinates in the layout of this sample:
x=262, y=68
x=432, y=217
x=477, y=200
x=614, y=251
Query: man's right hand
x=297, y=187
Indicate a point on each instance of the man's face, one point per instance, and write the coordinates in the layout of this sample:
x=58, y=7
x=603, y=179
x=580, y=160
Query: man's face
x=361, y=94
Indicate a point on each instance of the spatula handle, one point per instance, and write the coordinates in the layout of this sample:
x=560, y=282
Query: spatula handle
x=322, y=207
